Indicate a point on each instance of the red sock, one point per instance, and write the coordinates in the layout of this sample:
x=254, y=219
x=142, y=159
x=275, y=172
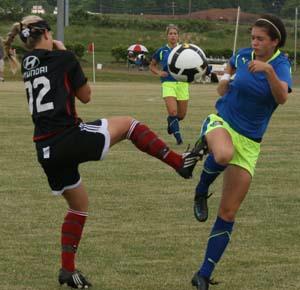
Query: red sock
x=70, y=237
x=147, y=141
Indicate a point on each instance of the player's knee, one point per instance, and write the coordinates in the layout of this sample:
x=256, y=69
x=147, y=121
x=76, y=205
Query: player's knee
x=173, y=113
x=224, y=155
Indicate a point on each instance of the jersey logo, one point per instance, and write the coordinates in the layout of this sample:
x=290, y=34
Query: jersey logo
x=31, y=62
x=244, y=60
x=216, y=123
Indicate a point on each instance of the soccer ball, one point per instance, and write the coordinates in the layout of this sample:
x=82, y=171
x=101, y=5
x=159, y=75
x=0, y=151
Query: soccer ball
x=187, y=63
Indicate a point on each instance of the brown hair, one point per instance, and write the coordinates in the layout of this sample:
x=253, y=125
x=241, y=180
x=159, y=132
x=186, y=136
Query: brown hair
x=172, y=26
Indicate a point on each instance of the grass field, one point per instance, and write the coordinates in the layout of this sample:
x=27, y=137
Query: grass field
x=141, y=233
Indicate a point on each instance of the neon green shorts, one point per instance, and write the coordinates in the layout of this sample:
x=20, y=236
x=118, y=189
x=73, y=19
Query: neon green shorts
x=179, y=90
x=246, y=151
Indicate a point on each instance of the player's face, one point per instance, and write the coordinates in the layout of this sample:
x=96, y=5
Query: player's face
x=264, y=47
x=173, y=36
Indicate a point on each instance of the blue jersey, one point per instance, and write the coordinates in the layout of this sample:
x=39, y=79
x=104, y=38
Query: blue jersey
x=249, y=104
x=161, y=56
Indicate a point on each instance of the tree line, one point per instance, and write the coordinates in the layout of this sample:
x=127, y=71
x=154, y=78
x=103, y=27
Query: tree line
x=285, y=8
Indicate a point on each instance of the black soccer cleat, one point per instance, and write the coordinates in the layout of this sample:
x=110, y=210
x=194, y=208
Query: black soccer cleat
x=73, y=279
x=201, y=282
x=190, y=159
x=178, y=138
x=200, y=207
x=179, y=141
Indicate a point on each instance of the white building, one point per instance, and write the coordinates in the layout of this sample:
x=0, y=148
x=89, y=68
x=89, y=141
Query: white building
x=37, y=9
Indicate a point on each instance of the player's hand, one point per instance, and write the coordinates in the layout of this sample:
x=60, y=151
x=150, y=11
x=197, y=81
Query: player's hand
x=163, y=74
x=258, y=66
x=58, y=45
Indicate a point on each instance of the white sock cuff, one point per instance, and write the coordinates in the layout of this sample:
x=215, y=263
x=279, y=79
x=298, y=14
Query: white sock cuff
x=131, y=128
x=81, y=213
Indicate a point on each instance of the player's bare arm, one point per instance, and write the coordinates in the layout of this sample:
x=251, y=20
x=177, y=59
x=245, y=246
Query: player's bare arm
x=154, y=68
x=84, y=93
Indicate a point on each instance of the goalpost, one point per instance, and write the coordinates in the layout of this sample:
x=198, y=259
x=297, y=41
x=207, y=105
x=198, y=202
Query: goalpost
x=236, y=28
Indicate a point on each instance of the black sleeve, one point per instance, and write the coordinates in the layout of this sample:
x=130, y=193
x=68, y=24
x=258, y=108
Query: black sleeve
x=75, y=74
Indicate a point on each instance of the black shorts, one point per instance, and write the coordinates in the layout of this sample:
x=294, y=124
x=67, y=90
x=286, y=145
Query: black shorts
x=61, y=154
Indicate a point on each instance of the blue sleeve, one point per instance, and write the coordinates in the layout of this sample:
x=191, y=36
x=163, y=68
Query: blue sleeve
x=232, y=61
x=156, y=55
x=283, y=71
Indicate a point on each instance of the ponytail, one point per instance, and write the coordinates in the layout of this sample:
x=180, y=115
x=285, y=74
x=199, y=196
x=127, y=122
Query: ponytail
x=10, y=53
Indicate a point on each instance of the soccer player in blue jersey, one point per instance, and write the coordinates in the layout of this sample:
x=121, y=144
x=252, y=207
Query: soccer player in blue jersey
x=257, y=80
x=175, y=94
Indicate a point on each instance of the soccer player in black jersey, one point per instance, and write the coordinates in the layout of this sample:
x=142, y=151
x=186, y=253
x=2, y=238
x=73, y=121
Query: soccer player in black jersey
x=53, y=80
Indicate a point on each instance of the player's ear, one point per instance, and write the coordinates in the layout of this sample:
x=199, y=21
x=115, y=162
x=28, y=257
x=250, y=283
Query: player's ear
x=47, y=34
x=276, y=42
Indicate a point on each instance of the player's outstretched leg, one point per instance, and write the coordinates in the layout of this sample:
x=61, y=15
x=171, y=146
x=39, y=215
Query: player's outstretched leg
x=147, y=141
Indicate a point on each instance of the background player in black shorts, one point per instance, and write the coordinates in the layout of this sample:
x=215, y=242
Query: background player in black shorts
x=53, y=78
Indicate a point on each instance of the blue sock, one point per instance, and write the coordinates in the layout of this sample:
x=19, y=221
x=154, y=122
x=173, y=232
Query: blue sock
x=217, y=242
x=210, y=172
x=173, y=128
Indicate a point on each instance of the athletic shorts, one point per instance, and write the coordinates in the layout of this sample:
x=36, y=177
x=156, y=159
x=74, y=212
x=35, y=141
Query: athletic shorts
x=1, y=65
x=61, y=155
x=246, y=151
x=179, y=90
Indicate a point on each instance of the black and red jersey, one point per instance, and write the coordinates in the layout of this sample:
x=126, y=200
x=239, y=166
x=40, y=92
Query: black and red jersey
x=51, y=78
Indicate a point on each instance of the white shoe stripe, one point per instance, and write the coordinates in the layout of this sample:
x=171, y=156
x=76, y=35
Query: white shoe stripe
x=77, y=280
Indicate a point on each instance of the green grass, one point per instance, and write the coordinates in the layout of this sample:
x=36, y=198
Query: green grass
x=141, y=233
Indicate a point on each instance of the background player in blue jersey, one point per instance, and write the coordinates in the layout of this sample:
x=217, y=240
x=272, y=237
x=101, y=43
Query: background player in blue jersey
x=175, y=94
x=53, y=79
x=262, y=81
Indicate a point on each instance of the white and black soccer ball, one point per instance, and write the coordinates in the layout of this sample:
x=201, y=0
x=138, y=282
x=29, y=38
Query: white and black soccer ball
x=187, y=62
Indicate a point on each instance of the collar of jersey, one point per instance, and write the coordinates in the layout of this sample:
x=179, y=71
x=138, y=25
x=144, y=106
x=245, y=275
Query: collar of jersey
x=167, y=45
x=269, y=60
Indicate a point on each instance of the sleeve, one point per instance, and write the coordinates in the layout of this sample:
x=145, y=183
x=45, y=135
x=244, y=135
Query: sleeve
x=283, y=71
x=233, y=60
x=156, y=55
x=74, y=71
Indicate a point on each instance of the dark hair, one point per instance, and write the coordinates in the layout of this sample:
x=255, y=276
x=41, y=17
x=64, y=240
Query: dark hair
x=274, y=27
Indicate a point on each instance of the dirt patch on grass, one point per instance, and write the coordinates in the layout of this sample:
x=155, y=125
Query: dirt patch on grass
x=226, y=15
